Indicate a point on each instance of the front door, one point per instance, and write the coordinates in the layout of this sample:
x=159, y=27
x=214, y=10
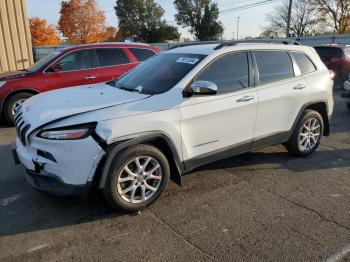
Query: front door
x=217, y=126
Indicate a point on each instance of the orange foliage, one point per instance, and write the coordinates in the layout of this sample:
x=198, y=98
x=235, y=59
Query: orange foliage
x=82, y=21
x=42, y=33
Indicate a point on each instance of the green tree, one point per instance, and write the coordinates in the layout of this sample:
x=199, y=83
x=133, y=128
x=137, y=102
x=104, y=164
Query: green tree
x=142, y=20
x=201, y=16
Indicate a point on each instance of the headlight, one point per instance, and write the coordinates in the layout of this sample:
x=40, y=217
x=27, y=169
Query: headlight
x=68, y=133
x=2, y=83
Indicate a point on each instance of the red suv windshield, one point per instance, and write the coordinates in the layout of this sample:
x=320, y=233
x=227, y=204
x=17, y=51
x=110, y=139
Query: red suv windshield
x=43, y=61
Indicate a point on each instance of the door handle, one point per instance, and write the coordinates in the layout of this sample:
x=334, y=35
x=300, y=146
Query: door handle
x=90, y=77
x=245, y=99
x=299, y=87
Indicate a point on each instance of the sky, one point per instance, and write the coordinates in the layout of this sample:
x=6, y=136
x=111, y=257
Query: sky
x=251, y=20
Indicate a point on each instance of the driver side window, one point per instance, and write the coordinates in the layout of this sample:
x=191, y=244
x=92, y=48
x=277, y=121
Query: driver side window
x=78, y=60
x=229, y=72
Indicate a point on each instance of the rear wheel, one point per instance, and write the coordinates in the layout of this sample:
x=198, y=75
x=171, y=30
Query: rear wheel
x=11, y=104
x=307, y=135
x=137, y=177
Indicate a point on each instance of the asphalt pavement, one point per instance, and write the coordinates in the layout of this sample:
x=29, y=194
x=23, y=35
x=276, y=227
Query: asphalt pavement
x=260, y=206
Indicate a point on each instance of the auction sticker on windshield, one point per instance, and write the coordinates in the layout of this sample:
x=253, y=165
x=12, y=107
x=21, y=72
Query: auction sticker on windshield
x=187, y=60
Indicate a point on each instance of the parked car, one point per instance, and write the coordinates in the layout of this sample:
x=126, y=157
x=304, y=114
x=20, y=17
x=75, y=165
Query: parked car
x=179, y=110
x=346, y=93
x=337, y=59
x=78, y=65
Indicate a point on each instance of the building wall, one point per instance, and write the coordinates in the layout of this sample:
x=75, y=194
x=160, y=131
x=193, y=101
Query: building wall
x=15, y=39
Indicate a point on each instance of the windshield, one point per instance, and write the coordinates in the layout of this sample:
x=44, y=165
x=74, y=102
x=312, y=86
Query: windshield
x=158, y=74
x=43, y=61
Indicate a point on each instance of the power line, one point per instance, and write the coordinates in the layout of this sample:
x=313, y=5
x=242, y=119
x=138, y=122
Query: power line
x=243, y=7
x=236, y=3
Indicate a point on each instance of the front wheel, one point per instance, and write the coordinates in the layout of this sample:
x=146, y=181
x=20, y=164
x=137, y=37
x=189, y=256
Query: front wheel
x=306, y=137
x=136, y=178
x=11, y=105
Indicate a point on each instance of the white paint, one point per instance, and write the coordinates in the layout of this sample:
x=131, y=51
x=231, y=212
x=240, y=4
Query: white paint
x=37, y=248
x=5, y=202
x=339, y=255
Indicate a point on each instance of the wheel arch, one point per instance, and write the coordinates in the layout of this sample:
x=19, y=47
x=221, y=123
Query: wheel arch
x=159, y=140
x=29, y=90
x=321, y=108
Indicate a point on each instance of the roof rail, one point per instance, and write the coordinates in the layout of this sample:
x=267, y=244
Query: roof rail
x=235, y=42
x=267, y=41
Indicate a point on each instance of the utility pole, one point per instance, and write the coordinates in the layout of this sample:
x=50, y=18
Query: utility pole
x=289, y=17
x=238, y=27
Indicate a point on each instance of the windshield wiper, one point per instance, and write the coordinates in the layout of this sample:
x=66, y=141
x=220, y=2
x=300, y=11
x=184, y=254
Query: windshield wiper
x=129, y=89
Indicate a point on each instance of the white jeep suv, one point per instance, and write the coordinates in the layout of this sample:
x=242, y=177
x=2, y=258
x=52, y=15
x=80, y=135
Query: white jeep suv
x=179, y=110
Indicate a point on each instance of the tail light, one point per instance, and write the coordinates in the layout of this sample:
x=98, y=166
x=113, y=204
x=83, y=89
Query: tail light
x=331, y=74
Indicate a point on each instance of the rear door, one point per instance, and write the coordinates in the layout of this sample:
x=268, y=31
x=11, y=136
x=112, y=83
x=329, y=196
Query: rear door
x=111, y=63
x=282, y=92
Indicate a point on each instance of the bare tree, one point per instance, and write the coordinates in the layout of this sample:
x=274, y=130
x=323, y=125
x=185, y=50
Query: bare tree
x=335, y=13
x=303, y=19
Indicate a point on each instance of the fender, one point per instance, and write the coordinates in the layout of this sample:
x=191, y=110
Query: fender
x=151, y=138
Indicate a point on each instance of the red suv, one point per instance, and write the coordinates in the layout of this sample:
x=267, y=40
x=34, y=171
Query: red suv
x=73, y=66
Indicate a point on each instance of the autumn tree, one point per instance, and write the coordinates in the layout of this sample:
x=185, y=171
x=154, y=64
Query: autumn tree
x=303, y=19
x=142, y=20
x=201, y=16
x=82, y=21
x=42, y=33
x=335, y=13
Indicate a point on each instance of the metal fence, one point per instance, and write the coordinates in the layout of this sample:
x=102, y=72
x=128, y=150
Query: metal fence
x=40, y=51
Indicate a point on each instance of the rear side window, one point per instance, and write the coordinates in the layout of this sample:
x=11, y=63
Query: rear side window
x=229, y=72
x=274, y=66
x=142, y=54
x=111, y=57
x=329, y=51
x=304, y=63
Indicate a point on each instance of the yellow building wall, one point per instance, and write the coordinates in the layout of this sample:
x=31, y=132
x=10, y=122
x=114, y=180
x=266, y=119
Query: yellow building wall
x=15, y=39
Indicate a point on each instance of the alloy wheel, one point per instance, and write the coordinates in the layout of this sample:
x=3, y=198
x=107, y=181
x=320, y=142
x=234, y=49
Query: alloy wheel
x=16, y=105
x=139, y=179
x=309, y=134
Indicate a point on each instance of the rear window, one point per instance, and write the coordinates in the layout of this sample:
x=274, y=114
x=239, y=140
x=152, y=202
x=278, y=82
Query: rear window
x=142, y=54
x=329, y=51
x=304, y=63
x=111, y=57
x=274, y=66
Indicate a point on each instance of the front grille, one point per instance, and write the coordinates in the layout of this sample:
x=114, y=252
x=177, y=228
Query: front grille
x=22, y=125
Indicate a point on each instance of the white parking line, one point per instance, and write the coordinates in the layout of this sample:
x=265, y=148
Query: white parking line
x=339, y=255
x=37, y=248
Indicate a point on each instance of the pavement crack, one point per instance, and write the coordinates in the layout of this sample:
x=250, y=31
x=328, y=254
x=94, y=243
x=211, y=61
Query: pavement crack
x=307, y=208
x=301, y=206
x=189, y=243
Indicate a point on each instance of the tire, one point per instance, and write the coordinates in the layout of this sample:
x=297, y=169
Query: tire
x=297, y=144
x=348, y=105
x=123, y=190
x=11, y=103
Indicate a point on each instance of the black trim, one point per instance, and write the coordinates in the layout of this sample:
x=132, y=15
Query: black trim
x=216, y=156
x=114, y=149
x=52, y=184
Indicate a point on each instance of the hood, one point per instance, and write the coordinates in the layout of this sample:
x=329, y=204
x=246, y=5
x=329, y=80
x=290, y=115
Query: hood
x=46, y=107
x=13, y=75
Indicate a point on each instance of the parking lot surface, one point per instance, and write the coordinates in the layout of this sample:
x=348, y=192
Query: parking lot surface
x=261, y=206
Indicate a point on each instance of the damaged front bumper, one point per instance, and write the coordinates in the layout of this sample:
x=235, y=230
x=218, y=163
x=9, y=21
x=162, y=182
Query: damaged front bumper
x=61, y=168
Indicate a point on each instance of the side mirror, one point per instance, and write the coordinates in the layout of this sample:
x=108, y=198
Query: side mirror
x=55, y=68
x=199, y=88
